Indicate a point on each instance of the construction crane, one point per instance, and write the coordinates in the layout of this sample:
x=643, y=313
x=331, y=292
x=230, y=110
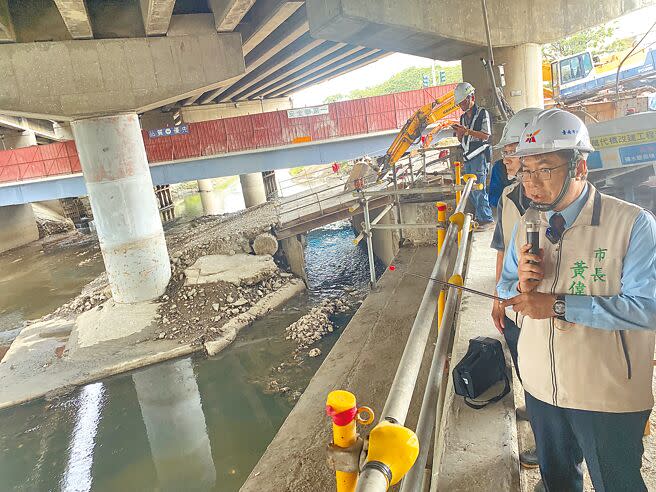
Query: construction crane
x=413, y=129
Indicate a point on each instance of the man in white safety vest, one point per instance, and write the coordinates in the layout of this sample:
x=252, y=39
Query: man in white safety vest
x=474, y=133
x=510, y=209
x=588, y=306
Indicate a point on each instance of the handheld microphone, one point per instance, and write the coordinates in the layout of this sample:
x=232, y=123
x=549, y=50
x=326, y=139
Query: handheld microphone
x=533, y=233
x=533, y=230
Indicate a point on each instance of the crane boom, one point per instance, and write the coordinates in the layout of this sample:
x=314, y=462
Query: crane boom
x=413, y=128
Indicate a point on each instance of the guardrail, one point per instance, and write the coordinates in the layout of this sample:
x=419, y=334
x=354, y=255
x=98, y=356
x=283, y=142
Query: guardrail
x=377, y=475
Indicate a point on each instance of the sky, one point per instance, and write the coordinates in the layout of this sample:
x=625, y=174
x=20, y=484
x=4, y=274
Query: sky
x=635, y=23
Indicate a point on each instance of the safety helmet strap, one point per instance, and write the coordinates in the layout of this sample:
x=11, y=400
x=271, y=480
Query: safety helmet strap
x=571, y=174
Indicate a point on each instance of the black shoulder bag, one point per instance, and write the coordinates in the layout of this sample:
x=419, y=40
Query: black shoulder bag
x=481, y=368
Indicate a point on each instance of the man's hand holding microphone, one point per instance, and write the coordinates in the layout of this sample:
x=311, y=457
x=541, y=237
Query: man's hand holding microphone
x=530, y=269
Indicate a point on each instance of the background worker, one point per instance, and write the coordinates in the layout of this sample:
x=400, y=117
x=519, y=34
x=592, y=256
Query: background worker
x=498, y=181
x=474, y=133
x=510, y=209
x=588, y=302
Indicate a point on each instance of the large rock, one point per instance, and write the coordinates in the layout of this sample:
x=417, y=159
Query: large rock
x=238, y=269
x=265, y=244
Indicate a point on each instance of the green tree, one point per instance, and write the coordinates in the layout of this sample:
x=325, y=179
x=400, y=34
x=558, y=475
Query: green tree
x=597, y=39
x=406, y=80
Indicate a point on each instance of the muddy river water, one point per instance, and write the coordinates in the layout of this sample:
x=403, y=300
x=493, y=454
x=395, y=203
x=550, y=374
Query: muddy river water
x=195, y=423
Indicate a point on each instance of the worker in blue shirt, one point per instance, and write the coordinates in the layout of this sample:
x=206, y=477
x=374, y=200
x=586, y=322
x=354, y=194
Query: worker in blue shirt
x=587, y=306
x=498, y=181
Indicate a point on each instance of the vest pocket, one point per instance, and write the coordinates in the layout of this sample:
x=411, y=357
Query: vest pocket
x=626, y=354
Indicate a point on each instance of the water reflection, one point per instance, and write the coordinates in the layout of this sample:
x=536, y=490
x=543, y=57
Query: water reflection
x=77, y=476
x=175, y=424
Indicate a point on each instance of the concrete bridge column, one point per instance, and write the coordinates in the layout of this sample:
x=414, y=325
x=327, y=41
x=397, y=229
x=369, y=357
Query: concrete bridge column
x=252, y=187
x=523, y=73
x=207, y=197
x=125, y=212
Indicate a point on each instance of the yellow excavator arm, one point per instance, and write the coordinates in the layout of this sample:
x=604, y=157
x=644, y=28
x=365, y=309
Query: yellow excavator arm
x=413, y=128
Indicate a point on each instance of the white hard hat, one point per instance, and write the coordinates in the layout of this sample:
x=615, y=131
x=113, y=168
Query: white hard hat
x=462, y=90
x=515, y=126
x=553, y=130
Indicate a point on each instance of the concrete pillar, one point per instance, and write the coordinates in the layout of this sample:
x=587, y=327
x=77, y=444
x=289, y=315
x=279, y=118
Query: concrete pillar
x=294, y=250
x=125, y=211
x=17, y=140
x=252, y=187
x=523, y=73
x=17, y=226
x=385, y=241
x=175, y=423
x=211, y=205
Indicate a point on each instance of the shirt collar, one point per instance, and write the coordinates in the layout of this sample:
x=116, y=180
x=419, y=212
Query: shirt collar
x=573, y=209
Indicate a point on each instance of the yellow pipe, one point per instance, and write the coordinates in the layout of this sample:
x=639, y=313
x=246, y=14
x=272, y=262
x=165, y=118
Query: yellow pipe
x=340, y=405
x=457, y=168
x=441, y=234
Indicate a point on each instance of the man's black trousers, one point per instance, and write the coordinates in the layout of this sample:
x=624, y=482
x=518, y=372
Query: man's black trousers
x=611, y=444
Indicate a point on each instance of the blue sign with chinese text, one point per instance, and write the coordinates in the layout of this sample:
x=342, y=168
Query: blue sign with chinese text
x=638, y=154
x=169, y=131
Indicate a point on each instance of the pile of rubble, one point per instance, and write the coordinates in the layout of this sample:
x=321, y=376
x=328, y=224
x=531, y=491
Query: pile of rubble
x=196, y=313
x=315, y=325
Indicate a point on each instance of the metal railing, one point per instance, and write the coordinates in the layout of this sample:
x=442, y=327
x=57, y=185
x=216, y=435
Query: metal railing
x=450, y=258
x=321, y=191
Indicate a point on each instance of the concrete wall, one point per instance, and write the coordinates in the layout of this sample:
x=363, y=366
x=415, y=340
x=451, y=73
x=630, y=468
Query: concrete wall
x=385, y=242
x=17, y=226
x=455, y=28
x=72, y=79
x=420, y=213
x=194, y=114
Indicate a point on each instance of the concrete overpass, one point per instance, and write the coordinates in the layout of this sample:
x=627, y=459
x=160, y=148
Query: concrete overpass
x=98, y=64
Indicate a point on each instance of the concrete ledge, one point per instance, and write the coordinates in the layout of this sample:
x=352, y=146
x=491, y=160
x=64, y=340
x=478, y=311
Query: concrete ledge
x=46, y=356
x=478, y=447
x=364, y=361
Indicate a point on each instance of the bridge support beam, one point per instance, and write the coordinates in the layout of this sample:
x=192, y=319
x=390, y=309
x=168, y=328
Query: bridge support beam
x=207, y=197
x=252, y=187
x=118, y=181
x=523, y=73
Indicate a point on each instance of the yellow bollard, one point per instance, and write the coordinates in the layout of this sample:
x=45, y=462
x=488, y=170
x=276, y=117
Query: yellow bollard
x=458, y=181
x=342, y=408
x=441, y=234
x=457, y=166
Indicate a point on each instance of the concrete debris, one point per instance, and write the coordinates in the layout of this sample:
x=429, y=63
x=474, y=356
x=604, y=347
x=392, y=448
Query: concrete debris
x=316, y=324
x=240, y=269
x=315, y=352
x=265, y=244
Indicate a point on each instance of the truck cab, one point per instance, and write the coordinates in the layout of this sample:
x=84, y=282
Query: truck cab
x=570, y=76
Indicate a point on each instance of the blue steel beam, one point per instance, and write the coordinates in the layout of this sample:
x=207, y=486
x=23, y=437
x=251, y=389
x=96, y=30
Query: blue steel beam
x=321, y=152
